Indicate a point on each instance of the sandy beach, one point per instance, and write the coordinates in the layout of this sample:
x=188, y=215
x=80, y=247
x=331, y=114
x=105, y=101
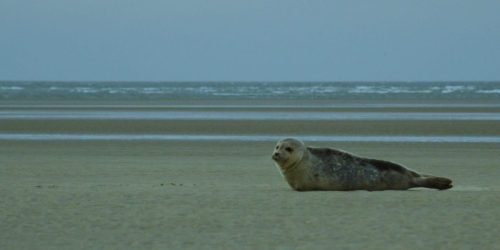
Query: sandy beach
x=228, y=194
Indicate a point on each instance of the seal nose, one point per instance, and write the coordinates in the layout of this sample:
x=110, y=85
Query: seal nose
x=275, y=155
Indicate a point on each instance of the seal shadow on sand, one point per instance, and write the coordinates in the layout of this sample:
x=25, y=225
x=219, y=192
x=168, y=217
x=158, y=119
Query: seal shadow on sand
x=469, y=188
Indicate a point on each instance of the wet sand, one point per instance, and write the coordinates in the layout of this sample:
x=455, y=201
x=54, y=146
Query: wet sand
x=229, y=195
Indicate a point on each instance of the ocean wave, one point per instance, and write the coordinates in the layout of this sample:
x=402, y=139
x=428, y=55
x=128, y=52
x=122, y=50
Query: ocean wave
x=11, y=88
x=454, y=88
x=388, y=90
x=252, y=90
x=491, y=91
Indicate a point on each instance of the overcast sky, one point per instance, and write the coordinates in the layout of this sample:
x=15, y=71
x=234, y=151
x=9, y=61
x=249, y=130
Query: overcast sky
x=249, y=40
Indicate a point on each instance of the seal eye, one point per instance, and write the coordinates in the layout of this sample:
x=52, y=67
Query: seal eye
x=289, y=149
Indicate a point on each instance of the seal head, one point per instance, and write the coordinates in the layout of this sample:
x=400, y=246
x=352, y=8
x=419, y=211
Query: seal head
x=288, y=153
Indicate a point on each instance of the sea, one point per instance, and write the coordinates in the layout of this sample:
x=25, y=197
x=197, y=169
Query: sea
x=305, y=101
x=469, y=91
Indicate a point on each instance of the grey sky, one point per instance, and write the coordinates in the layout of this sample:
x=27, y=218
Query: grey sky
x=250, y=40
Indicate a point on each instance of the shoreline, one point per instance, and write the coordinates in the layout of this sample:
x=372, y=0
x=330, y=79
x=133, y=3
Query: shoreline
x=245, y=138
x=253, y=127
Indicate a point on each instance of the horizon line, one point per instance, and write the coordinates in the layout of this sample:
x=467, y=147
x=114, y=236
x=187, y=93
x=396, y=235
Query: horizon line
x=252, y=81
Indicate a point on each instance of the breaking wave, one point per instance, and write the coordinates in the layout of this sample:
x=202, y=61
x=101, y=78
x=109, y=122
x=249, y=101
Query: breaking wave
x=248, y=90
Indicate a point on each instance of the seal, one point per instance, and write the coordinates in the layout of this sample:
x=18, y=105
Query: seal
x=309, y=168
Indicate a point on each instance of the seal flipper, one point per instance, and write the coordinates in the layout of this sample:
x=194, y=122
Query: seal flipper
x=418, y=180
x=430, y=181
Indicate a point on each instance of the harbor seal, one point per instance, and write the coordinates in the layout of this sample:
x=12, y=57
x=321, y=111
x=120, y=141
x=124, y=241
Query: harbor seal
x=308, y=168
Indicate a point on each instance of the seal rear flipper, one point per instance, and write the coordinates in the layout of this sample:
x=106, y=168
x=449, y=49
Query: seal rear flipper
x=428, y=181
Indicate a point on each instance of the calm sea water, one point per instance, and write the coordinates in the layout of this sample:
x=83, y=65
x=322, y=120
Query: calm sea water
x=76, y=114
x=457, y=95
x=220, y=137
x=248, y=90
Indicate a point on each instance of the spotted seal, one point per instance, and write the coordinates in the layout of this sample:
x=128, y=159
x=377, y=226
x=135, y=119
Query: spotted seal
x=308, y=168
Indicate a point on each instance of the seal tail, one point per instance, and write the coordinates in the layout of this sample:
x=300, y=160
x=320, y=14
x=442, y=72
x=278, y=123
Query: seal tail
x=430, y=181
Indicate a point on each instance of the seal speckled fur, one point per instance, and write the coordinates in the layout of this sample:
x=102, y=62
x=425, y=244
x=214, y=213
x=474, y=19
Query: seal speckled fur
x=308, y=168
